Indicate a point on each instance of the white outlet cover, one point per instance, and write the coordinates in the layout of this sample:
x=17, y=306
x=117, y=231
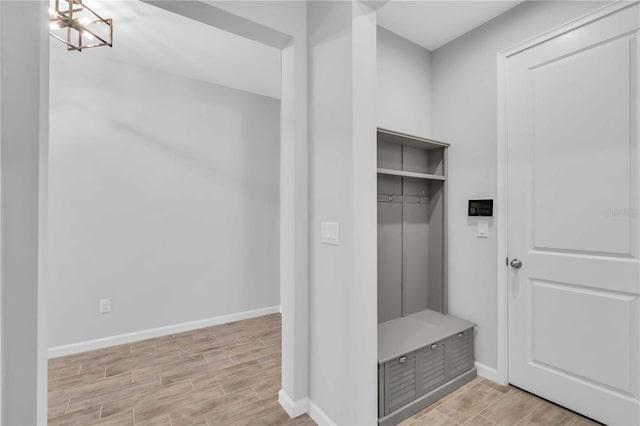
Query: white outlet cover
x=105, y=306
x=483, y=230
x=330, y=233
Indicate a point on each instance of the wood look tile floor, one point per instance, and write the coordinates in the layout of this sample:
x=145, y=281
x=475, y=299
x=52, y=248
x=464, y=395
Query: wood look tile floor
x=230, y=375
x=482, y=402
x=223, y=375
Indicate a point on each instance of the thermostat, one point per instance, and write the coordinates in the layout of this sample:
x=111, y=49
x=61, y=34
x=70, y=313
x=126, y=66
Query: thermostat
x=480, y=207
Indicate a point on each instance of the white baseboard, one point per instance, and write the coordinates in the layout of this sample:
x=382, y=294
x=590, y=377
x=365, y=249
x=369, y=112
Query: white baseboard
x=304, y=405
x=319, y=416
x=121, y=339
x=489, y=373
x=293, y=408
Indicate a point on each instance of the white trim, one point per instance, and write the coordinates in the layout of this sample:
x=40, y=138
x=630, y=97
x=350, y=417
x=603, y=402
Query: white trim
x=157, y=332
x=502, y=372
x=501, y=228
x=489, y=373
x=293, y=408
x=1, y=274
x=42, y=345
x=305, y=405
x=319, y=416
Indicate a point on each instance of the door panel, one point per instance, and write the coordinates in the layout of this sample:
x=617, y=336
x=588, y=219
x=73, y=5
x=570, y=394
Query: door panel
x=573, y=213
x=570, y=217
x=601, y=319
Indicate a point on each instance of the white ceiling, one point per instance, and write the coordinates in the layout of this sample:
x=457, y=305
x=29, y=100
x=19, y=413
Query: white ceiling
x=432, y=24
x=151, y=37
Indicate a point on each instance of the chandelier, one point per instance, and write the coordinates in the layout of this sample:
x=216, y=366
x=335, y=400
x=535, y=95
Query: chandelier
x=79, y=27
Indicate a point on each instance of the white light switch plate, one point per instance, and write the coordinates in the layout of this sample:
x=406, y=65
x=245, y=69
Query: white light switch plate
x=330, y=233
x=483, y=230
x=105, y=306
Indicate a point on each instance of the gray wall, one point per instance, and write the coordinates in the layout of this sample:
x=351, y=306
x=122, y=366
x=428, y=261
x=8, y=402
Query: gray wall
x=163, y=197
x=403, y=85
x=464, y=89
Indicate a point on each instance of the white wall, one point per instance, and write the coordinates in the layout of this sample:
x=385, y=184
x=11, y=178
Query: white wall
x=163, y=197
x=23, y=198
x=464, y=87
x=343, y=305
x=403, y=85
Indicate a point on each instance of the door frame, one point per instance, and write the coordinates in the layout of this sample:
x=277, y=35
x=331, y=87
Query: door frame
x=502, y=169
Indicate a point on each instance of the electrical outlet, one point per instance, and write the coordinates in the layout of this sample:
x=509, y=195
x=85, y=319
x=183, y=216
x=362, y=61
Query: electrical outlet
x=105, y=306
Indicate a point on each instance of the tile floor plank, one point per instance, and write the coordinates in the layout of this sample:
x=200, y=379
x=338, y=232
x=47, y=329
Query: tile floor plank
x=90, y=415
x=479, y=420
x=512, y=408
x=548, y=414
x=434, y=418
x=129, y=391
x=469, y=403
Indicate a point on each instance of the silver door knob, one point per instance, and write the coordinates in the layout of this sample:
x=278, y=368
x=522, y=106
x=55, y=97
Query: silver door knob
x=516, y=263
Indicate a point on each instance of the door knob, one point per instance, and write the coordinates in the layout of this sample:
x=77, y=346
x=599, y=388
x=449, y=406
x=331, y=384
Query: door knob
x=516, y=263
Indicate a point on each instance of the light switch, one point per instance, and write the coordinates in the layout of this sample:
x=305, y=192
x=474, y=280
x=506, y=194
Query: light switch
x=483, y=230
x=330, y=233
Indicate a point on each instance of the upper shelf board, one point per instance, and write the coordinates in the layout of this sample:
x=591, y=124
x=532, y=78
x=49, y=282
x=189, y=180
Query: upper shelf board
x=409, y=140
x=410, y=174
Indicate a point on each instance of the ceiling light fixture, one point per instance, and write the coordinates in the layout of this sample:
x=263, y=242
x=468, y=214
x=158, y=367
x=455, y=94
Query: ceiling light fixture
x=79, y=23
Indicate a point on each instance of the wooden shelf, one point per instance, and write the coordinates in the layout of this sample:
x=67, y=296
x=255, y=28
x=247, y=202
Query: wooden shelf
x=410, y=174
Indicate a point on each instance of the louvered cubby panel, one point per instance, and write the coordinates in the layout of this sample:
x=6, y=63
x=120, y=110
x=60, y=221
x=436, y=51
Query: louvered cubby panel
x=401, y=381
x=459, y=353
x=433, y=370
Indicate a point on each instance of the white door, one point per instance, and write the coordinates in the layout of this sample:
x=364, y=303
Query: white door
x=573, y=218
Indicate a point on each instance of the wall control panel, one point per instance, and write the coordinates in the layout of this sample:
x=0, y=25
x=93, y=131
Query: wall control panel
x=480, y=208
